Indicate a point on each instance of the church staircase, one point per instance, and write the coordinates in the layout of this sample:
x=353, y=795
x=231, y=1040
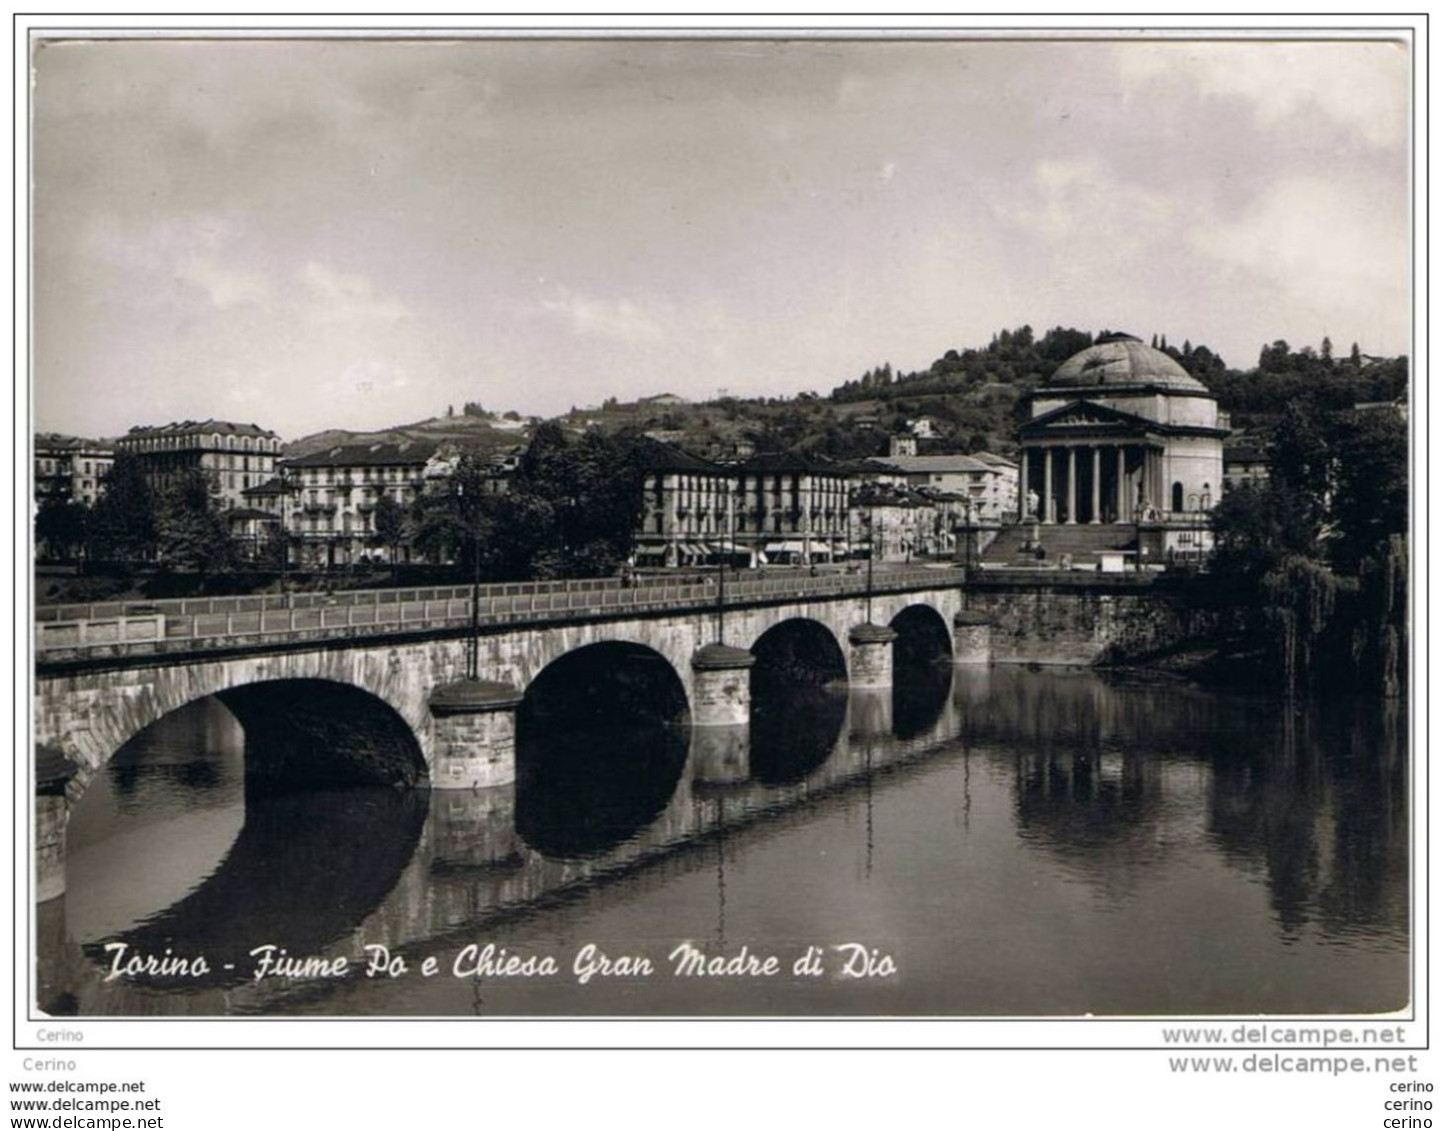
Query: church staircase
x=1083, y=542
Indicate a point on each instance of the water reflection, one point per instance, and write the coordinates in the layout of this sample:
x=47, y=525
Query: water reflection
x=793, y=733
x=304, y=871
x=1153, y=847
x=580, y=793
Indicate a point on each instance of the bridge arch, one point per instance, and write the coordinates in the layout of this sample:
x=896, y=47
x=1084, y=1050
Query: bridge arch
x=796, y=651
x=91, y=718
x=922, y=634
x=601, y=744
x=317, y=733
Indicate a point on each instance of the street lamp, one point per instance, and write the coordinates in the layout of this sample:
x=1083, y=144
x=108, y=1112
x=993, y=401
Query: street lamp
x=727, y=547
x=966, y=505
x=473, y=658
x=869, y=518
x=289, y=486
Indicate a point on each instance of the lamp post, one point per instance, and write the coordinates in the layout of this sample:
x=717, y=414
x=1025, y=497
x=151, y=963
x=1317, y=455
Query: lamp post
x=288, y=487
x=473, y=656
x=966, y=505
x=1138, y=520
x=870, y=521
x=726, y=548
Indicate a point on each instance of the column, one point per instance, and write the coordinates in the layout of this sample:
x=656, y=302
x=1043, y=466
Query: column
x=1048, y=511
x=871, y=655
x=722, y=692
x=1070, y=485
x=1096, y=485
x=1021, y=489
x=475, y=734
x=1121, y=483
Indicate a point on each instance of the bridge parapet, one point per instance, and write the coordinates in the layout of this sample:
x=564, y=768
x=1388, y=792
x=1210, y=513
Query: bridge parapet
x=171, y=630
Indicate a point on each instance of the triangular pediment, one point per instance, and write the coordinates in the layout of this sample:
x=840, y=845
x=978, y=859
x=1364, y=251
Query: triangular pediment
x=1088, y=416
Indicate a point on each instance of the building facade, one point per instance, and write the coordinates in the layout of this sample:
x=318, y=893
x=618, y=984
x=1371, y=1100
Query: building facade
x=234, y=457
x=70, y=470
x=773, y=508
x=1122, y=434
x=688, y=505
x=329, y=498
x=896, y=524
x=794, y=508
x=988, y=481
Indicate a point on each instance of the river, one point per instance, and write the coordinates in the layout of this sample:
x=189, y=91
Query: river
x=985, y=842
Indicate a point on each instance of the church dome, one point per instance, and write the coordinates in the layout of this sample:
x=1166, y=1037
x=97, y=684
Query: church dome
x=1120, y=359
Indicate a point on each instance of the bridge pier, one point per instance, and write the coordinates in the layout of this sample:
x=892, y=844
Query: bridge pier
x=53, y=772
x=722, y=686
x=971, y=638
x=475, y=734
x=871, y=655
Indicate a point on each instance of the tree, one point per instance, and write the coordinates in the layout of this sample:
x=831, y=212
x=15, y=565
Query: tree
x=62, y=528
x=1256, y=527
x=390, y=526
x=1369, y=501
x=191, y=531
x=123, y=523
x=458, y=522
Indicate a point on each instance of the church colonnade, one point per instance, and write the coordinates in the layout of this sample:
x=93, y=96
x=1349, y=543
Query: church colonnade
x=1095, y=482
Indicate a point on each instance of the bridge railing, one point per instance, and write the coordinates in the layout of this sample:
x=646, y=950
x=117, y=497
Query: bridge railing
x=232, y=622
x=192, y=606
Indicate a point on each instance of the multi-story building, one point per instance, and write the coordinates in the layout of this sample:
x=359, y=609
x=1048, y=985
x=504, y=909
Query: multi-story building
x=779, y=507
x=234, y=457
x=69, y=469
x=1245, y=462
x=895, y=524
x=330, y=496
x=687, y=503
x=987, y=480
x=793, y=508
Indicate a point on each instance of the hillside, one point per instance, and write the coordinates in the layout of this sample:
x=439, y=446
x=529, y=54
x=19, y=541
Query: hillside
x=471, y=433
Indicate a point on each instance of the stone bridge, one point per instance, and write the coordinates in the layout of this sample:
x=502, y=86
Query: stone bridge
x=433, y=702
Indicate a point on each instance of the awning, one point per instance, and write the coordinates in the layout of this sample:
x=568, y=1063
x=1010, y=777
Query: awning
x=785, y=548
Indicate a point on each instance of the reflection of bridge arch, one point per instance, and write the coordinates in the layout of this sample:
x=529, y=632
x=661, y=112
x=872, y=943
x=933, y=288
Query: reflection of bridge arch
x=578, y=792
x=305, y=871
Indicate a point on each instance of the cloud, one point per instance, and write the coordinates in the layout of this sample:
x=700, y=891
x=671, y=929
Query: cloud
x=226, y=286
x=1076, y=201
x=620, y=319
x=339, y=296
x=1361, y=86
x=1324, y=244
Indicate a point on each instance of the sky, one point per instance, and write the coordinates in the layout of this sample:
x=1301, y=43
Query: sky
x=354, y=234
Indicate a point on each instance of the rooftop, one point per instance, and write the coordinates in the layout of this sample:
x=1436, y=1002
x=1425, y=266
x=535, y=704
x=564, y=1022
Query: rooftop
x=1121, y=359
x=407, y=453
x=198, y=428
x=933, y=464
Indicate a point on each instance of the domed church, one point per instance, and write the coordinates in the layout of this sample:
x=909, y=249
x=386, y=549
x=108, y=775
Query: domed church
x=1123, y=434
